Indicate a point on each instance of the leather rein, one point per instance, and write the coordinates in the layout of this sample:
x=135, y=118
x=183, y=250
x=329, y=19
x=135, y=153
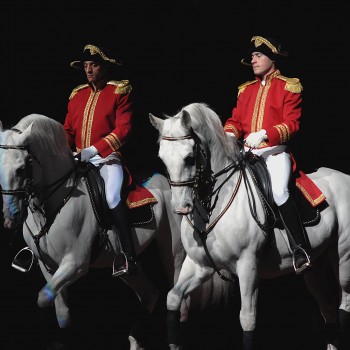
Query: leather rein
x=204, y=178
x=29, y=194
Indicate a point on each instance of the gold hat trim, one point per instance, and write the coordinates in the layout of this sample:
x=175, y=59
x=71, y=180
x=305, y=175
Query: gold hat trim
x=95, y=50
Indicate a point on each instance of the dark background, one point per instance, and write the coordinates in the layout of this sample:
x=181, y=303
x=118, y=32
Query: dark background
x=175, y=53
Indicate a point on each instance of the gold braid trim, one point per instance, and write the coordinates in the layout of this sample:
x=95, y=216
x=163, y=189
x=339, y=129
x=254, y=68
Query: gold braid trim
x=314, y=202
x=242, y=87
x=292, y=84
x=95, y=50
x=231, y=128
x=259, y=40
x=75, y=90
x=283, y=131
x=140, y=203
x=113, y=141
x=123, y=86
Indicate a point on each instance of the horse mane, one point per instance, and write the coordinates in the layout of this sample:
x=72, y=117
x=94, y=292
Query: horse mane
x=208, y=126
x=48, y=133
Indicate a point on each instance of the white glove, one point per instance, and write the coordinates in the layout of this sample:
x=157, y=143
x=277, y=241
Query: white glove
x=255, y=138
x=230, y=134
x=87, y=153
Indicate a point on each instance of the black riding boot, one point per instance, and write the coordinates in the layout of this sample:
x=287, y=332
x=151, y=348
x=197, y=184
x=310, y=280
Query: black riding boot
x=121, y=221
x=296, y=235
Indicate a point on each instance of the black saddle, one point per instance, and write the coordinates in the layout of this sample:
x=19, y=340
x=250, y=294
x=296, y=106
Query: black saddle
x=96, y=188
x=257, y=167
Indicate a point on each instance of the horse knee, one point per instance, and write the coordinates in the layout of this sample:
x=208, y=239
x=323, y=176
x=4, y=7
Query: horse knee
x=173, y=300
x=46, y=296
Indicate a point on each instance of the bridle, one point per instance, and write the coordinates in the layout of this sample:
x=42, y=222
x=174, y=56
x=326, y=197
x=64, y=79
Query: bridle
x=28, y=188
x=203, y=189
x=202, y=183
x=28, y=192
x=189, y=182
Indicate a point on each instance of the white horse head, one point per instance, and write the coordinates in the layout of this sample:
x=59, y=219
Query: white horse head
x=200, y=143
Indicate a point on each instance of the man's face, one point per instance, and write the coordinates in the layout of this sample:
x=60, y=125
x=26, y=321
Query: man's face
x=95, y=71
x=262, y=65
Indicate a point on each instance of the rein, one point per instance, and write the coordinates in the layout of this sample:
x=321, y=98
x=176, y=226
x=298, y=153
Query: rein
x=200, y=179
x=28, y=193
x=197, y=182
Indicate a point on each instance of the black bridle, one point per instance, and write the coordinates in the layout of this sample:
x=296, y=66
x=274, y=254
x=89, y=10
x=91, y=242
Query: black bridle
x=27, y=189
x=203, y=190
x=28, y=192
x=203, y=181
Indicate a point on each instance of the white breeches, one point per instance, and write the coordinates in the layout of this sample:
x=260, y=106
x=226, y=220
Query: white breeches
x=280, y=169
x=111, y=170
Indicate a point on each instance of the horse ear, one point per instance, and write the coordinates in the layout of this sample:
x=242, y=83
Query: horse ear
x=26, y=132
x=186, y=119
x=156, y=122
x=1, y=127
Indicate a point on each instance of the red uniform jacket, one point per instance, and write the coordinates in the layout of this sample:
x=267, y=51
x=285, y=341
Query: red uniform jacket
x=102, y=118
x=275, y=107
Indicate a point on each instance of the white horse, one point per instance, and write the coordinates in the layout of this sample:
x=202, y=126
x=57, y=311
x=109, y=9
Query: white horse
x=42, y=191
x=225, y=224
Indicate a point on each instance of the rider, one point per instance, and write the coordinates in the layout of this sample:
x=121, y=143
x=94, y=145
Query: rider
x=98, y=123
x=267, y=115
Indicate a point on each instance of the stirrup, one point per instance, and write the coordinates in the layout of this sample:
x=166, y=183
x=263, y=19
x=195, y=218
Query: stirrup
x=25, y=263
x=123, y=266
x=305, y=265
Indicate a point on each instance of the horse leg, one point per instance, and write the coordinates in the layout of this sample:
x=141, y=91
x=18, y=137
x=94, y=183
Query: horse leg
x=148, y=296
x=61, y=304
x=67, y=273
x=191, y=276
x=248, y=283
x=343, y=341
x=323, y=285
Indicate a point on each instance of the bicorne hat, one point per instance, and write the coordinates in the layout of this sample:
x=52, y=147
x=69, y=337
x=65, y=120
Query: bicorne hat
x=267, y=46
x=96, y=54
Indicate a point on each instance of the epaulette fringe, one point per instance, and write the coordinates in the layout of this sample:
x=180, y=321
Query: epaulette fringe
x=123, y=86
x=242, y=87
x=292, y=84
x=76, y=89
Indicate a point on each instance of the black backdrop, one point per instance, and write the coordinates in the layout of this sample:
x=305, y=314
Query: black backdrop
x=175, y=53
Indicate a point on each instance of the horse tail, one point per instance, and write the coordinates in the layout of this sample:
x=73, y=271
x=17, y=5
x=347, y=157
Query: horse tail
x=215, y=291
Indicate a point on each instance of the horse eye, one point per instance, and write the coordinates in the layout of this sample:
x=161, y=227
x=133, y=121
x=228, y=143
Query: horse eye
x=190, y=160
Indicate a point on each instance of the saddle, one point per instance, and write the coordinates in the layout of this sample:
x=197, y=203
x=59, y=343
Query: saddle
x=309, y=214
x=139, y=201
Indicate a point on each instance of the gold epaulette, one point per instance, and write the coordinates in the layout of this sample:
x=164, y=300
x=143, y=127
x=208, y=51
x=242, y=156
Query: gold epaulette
x=292, y=84
x=123, y=86
x=75, y=90
x=242, y=87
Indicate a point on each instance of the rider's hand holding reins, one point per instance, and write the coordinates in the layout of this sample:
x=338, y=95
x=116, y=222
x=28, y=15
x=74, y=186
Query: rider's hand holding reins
x=87, y=153
x=255, y=138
